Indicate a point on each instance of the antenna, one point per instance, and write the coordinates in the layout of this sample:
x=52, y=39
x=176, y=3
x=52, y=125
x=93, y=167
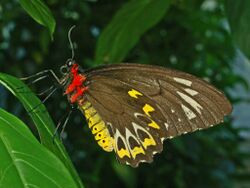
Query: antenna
x=70, y=42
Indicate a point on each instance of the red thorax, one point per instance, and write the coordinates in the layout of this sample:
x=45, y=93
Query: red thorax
x=76, y=86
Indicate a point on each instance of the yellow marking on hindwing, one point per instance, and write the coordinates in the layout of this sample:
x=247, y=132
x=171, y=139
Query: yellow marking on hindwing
x=136, y=151
x=147, y=108
x=123, y=150
x=133, y=93
x=154, y=124
x=148, y=142
x=122, y=153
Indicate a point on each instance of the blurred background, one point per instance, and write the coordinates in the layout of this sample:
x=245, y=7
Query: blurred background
x=192, y=36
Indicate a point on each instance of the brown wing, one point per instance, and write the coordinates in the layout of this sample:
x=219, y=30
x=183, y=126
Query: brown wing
x=145, y=104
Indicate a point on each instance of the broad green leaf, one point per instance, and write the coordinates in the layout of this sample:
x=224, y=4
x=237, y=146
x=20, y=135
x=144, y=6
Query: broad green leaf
x=41, y=118
x=126, y=28
x=238, y=13
x=24, y=161
x=40, y=13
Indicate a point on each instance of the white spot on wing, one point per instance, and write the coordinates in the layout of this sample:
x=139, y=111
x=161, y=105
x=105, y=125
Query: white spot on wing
x=191, y=91
x=183, y=81
x=189, y=113
x=172, y=111
x=136, y=114
x=137, y=127
x=128, y=135
x=166, y=125
x=190, y=101
x=118, y=135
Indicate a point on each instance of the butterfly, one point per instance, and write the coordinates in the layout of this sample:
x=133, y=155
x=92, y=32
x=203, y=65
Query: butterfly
x=132, y=108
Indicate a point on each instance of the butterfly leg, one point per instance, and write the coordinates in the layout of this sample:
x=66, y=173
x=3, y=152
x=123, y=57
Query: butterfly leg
x=64, y=125
x=41, y=76
x=59, y=125
x=48, y=72
x=36, y=80
x=44, y=100
x=66, y=117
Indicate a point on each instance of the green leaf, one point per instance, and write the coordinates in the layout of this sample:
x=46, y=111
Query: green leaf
x=238, y=13
x=126, y=28
x=24, y=161
x=40, y=13
x=41, y=118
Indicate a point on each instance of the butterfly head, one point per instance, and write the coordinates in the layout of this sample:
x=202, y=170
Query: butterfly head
x=69, y=67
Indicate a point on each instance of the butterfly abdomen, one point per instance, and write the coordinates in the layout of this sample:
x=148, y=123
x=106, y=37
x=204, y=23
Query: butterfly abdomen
x=97, y=125
x=76, y=91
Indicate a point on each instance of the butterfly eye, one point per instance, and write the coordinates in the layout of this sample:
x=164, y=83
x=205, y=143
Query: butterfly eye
x=69, y=63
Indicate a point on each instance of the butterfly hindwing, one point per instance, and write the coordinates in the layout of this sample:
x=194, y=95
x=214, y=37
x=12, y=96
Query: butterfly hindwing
x=135, y=122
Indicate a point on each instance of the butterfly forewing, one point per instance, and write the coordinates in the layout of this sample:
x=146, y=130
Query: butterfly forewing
x=142, y=105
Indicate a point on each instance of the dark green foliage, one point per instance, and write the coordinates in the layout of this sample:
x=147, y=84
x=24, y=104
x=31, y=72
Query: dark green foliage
x=39, y=12
x=126, y=28
x=42, y=120
x=185, y=35
x=24, y=161
x=239, y=16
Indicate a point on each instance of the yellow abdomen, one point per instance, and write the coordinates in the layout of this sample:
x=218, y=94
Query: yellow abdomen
x=97, y=126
